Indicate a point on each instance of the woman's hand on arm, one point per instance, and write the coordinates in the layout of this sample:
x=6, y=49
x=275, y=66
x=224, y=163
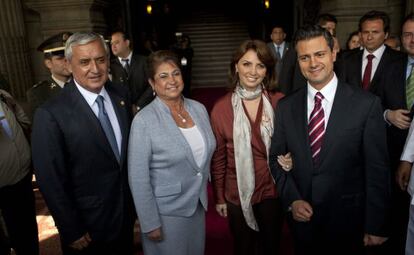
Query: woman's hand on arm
x=285, y=161
x=222, y=210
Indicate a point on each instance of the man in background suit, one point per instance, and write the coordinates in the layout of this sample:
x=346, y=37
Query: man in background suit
x=385, y=77
x=278, y=46
x=338, y=189
x=128, y=68
x=53, y=50
x=79, y=146
x=403, y=93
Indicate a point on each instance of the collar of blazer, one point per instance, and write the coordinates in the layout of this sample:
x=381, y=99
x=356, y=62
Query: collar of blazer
x=180, y=139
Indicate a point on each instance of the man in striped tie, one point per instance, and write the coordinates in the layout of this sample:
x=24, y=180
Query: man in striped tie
x=337, y=193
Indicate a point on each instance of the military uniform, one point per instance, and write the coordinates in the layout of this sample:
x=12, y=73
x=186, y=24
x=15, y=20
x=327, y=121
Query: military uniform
x=40, y=92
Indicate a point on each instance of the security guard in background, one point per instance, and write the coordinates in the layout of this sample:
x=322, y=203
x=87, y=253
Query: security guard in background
x=54, y=54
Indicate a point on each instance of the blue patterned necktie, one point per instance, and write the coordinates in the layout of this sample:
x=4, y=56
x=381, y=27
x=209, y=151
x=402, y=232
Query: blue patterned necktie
x=278, y=52
x=106, y=126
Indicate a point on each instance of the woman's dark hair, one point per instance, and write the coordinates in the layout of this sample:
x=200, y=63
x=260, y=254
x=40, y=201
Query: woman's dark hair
x=264, y=55
x=157, y=58
x=350, y=38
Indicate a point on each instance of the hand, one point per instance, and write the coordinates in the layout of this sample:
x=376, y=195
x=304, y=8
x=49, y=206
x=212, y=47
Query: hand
x=371, y=240
x=81, y=243
x=403, y=174
x=138, y=226
x=399, y=118
x=285, y=161
x=222, y=210
x=155, y=235
x=301, y=211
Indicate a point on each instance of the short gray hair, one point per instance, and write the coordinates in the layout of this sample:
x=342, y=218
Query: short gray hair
x=82, y=38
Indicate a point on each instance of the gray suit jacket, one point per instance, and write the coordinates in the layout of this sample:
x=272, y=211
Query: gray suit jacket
x=279, y=61
x=163, y=175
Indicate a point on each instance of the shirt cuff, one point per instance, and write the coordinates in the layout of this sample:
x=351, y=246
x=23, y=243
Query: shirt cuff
x=385, y=117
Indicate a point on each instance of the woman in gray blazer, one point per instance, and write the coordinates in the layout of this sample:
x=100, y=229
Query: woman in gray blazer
x=170, y=148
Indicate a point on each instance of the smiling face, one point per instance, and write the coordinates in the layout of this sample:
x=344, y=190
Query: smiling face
x=251, y=70
x=354, y=42
x=316, y=61
x=89, y=65
x=167, y=81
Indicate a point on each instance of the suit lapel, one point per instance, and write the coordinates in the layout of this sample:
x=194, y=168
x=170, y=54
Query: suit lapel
x=358, y=68
x=175, y=132
x=336, y=120
x=121, y=113
x=300, y=119
x=286, y=49
x=380, y=69
x=202, y=127
x=89, y=121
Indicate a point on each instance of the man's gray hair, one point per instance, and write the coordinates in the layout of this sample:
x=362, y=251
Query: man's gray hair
x=82, y=38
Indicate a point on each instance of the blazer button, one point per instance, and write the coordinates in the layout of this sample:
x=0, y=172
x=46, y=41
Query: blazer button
x=198, y=174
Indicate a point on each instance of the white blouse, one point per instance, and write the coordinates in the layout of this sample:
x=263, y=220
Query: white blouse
x=196, y=142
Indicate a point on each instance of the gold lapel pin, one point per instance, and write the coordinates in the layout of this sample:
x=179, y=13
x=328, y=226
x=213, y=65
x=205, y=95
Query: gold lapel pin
x=122, y=103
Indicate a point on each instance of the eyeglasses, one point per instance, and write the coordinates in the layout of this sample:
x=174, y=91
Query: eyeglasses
x=407, y=35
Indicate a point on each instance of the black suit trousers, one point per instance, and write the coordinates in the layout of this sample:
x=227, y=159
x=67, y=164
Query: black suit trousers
x=269, y=217
x=333, y=229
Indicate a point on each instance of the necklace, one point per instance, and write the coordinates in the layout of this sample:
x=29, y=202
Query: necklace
x=179, y=113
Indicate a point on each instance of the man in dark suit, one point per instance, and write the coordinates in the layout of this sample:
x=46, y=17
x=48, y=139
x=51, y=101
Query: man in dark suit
x=338, y=190
x=79, y=146
x=278, y=46
x=53, y=50
x=373, y=30
x=128, y=68
x=385, y=77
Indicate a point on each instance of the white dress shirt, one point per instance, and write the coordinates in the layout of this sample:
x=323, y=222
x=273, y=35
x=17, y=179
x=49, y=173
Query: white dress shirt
x=281, y=48
x=123, y=63
x=195, y=140
x=375, y=61
x=90, y=98
x=328, y=93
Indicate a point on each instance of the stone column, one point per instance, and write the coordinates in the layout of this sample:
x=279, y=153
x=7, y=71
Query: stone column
x=57, y=16
x=14, y=57
x=409, y=6
x=69, y=15
x=349, y=12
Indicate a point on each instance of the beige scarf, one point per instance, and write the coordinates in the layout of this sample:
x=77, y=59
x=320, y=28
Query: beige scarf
x=243, y=155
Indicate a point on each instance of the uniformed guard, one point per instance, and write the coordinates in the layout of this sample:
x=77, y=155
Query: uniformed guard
x=53, y=49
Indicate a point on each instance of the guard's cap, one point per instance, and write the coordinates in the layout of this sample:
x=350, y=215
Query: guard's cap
x=54, y=45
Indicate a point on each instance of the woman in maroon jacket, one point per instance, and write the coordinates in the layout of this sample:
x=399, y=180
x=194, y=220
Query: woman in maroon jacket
x=242, y=122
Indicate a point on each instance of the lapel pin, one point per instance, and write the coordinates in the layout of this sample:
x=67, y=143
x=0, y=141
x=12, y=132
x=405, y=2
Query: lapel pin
x=122, y=103
x=52, y=85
